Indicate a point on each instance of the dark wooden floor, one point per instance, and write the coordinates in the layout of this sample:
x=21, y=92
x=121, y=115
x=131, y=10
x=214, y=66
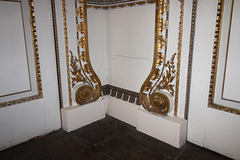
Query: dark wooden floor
x=107, y=139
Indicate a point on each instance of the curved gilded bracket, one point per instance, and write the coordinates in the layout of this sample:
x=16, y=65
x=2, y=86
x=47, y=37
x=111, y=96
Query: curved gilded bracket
x=162, y=75
x=85, y=83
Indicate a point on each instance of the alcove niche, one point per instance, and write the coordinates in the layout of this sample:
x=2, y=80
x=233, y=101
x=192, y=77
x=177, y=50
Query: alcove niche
x=127, y=60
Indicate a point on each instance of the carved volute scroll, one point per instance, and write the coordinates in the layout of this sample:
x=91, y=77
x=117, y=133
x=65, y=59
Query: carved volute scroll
x=158, y=88
x=84, y=81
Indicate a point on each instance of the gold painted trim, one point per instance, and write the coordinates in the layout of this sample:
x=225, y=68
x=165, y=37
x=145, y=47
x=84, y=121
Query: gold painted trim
x=217, y=38
x=57, y=53
x=126, y=4
x=15, y=93
x=194, y=5
x=179, y=56
x=67, y=51
x=37, y=64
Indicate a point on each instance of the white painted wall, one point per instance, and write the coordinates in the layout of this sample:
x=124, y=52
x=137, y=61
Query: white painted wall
x=97, y=40
x=216, y=130
x=24, y=121
x=131, y=45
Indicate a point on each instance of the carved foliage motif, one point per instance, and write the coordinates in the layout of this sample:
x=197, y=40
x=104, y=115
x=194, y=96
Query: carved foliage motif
x=163, y=71
x=82, y=74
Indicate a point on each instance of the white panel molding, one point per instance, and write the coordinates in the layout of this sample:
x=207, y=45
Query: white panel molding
x=19, y=64
x=225, y=65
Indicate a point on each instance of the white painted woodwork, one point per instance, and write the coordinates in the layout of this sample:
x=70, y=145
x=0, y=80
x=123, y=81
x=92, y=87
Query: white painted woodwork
x=231, y=86
x=75, y=117
x=21, y=122
x=214, y=129
x=122, y=110
x=17, y=64
x=227, y=88
x=121, y=51
x=13, y=62
x=171, y=130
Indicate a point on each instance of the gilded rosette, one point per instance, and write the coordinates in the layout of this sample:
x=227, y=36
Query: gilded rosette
x=163, y=71
x=84, y=81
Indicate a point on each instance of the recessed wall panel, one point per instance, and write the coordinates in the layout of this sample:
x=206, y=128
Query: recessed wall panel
x=13, y=61
x=231, y=86
x=20, y=78
x=224, y=87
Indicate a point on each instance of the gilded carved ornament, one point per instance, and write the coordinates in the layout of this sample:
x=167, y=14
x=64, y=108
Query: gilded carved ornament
x=85, y=84
x=158, y=89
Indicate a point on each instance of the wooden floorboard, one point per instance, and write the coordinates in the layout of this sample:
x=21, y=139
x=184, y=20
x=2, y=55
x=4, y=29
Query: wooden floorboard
x=106, y=139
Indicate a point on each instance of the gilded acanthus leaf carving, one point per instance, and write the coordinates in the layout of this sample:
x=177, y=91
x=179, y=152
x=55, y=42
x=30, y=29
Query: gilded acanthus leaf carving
x=76, y=72
x=160, y=84
x=85, y=82
x=168, y=76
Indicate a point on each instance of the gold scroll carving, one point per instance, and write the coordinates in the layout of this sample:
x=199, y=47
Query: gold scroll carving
x=161, y=78
x=83, y=78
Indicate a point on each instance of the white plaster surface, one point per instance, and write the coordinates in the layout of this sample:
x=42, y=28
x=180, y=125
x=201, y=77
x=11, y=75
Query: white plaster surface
x=171, y=130
x=131, y=45
x=97, y=41
x=75, y=117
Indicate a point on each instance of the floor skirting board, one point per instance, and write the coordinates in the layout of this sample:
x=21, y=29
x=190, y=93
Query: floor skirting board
x=171, y=130
x=75, y=117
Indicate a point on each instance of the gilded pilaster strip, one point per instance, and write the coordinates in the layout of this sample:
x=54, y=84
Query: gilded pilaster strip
x=179, y=56
x=66, y=51
x=57, y=53
x=35, y=46
x=190, y=57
